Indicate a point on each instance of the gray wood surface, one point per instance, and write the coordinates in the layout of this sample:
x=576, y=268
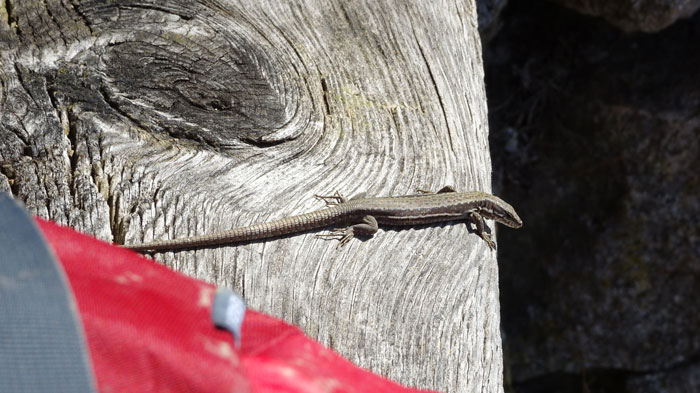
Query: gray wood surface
x=135, y=120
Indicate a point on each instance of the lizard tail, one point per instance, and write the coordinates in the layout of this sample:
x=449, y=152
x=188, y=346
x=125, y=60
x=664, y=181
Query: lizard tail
x=282, y=226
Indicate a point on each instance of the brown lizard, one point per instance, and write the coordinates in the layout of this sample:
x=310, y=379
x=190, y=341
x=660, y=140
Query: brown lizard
x=364, y=216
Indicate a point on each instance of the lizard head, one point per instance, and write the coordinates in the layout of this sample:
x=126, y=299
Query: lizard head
x=500, y=211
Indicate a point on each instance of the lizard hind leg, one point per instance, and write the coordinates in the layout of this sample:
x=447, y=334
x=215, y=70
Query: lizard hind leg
x=367, y=227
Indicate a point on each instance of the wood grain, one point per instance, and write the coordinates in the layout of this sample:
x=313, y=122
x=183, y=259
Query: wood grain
x=139, y=120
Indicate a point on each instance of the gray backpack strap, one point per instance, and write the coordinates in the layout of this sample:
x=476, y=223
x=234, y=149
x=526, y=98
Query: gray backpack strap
x=42, y=345
x=228, y=311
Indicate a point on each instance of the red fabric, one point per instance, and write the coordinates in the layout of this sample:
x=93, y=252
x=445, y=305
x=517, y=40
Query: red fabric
x=149, y=329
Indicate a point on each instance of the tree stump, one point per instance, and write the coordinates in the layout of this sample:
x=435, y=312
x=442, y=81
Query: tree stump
x=140, y=120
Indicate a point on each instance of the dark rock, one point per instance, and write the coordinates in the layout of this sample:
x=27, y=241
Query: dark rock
x=636, y=15
x=597, y=134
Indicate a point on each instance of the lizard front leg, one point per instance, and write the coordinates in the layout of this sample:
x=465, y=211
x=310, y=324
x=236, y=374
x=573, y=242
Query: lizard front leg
x=480, y=228
x=368, y=227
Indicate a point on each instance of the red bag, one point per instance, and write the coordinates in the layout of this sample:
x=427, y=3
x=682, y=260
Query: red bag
x=149, y=329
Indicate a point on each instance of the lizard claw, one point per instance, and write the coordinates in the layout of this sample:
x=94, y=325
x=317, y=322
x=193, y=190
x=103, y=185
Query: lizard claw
x=488, y=240
x=332, y=200
x=344, y=235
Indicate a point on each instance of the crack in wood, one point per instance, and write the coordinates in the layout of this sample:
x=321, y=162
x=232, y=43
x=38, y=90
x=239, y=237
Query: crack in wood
x=72, y=137
x=260, y=142
x=7, y=170
x=12, y=18
x=82, y=16
x=324, y=87
x=118, y=224
x=156, y=7
x=437, y=92
x=53, y=19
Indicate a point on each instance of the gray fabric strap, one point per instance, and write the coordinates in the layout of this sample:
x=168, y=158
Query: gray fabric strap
x=228, y=312
x=42, y=347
